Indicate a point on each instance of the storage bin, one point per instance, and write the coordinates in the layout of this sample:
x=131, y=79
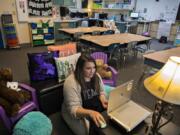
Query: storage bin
x=48, y=36
x=38, y=37
x=39, y=25
x=45, y=25
x=40, y=31
x=38, y=42
x=50, y=30
x=45, y=31
x=11, y=36
x=49, y=41
x=9, y=28
x=34, y=31
x=33, y=25
x=12, y=41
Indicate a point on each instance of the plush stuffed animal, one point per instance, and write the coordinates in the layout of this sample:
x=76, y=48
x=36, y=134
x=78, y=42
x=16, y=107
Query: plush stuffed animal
x=10, y=99
x=102, y=69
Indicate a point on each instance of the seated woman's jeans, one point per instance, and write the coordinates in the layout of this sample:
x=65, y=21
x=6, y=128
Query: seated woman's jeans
x=94, y=130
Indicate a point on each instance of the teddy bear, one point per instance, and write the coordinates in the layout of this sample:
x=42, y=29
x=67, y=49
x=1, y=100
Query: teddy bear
x=10, y=99
x=102, y=69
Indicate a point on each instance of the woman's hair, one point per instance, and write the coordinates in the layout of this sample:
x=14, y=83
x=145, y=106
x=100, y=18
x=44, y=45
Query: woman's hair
x=79, y=74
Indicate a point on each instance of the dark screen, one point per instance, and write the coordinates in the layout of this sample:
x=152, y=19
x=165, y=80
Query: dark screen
x=73, y=15
x=103, y=16
x=178, y=14
x=64, y=11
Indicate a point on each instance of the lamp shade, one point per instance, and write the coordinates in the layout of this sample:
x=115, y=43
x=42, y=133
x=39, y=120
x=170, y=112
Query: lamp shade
x=165, y=84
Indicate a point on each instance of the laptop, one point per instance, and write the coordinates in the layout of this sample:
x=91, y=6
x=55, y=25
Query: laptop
x=123, y=110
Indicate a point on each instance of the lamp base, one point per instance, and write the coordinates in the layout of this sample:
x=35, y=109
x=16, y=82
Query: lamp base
x=161, y=109
x=154, y=133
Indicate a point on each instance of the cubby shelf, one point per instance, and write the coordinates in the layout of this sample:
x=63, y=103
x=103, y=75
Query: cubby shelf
x=42, y=33
x=9, y=31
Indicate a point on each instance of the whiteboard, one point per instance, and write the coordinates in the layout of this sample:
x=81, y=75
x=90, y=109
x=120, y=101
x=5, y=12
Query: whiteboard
x=163, y=9
x=22, y=10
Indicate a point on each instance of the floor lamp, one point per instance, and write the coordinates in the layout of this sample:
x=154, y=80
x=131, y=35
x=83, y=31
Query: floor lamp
x=164, y=85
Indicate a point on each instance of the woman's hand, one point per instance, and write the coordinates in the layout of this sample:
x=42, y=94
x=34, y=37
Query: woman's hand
x=96, y=117
x=104, y=101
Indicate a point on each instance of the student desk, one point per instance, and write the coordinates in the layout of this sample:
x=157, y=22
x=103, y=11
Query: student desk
x=114, y=129
x=158, y=59
x=72, y=31
x=104, y=42
x=107, y=40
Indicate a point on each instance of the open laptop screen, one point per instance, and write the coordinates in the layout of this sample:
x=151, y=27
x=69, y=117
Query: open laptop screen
x=119, y=96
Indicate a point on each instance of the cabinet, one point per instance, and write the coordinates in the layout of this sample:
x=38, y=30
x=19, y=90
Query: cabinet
x=153, y=29
x=58, y=2
x=173, y=32
x=142, y=26
x=42, y=33
x=121, y=26
x=177, y=39
x=9, y=31
x=68, y=3
x=113, y=4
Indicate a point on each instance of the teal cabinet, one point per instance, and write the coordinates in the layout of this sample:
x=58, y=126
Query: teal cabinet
x=70, y=3
x=121, y=26
x=67, y=3
x=58, y=2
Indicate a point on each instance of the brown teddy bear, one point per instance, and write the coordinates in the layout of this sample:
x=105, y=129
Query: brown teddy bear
x=102, y=69
x=10, y=99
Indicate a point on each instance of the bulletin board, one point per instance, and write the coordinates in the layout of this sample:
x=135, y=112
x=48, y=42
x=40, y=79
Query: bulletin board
x=40, y=7
x=22, y=10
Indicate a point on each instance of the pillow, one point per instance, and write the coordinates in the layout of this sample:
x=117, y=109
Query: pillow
x=42, y=66
x=66, y=65
x=64, y=50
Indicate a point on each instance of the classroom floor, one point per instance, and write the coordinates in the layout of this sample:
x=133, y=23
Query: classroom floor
x=131, y=69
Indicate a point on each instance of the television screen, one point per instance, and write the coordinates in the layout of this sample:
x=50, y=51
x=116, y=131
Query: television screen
x=73, y=15
x=85, y=14
x=81, y=15
x=103, y=16
x=134, y=15
x=64, y=11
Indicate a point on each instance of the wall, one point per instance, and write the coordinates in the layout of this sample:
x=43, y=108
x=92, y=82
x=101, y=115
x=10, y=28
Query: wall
x=161, y=9
x=9, y=6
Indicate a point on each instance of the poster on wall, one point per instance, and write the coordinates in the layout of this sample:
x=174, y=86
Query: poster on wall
x=22, y=10
x=97, y=4
x=40, y=7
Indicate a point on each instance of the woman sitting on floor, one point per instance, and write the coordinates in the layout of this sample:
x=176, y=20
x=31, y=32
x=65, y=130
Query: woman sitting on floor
x=84, y=98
